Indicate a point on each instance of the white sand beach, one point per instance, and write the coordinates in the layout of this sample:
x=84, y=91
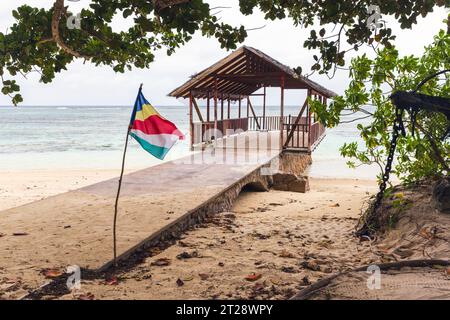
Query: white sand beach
x=21, y=187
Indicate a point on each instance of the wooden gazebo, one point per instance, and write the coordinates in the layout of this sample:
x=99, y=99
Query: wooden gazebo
x=236, y=78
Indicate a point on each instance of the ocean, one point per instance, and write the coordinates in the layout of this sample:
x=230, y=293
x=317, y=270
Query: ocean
x=71, y=137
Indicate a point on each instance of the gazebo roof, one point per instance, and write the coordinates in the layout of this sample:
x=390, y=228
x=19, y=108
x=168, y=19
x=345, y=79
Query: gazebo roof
x=243, y=72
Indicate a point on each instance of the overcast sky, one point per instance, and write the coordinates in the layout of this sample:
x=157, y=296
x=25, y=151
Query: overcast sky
x=89, y=85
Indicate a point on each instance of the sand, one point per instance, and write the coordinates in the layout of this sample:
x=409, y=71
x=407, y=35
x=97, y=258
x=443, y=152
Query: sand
x=282, y=240
x=75, y=228
x=21, y=187
x=270, y=245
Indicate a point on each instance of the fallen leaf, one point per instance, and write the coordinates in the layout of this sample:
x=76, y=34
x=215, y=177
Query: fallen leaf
x=448, y=271
x=311, y=265
x=275, y=281
x=425, y=233
x=403, y=253
x=258, y=287
x=162, y=262
x=221, y=264
x=86, y=296
x=113, y=281
x=52, y=273
x=253, y=277
x=2, y=234
x=180, y=282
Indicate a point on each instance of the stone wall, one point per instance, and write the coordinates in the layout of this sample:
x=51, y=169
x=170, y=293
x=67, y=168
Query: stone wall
x=290, y=177
x=294, y=162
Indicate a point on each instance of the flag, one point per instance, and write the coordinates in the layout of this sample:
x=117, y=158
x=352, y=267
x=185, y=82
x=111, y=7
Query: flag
x=154, y=133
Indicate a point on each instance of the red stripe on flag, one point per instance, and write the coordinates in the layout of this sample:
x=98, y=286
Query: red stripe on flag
x=156, y=125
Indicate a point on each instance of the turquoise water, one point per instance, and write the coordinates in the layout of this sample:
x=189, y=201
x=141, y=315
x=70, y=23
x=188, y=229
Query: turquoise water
x=93, y=137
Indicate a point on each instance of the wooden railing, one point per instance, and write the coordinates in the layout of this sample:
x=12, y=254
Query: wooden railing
x=269, y=123
x=317, y=133
x=301, y=138
x=204, y=131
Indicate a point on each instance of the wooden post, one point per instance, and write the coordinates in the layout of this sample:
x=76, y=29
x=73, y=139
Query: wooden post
x=254, y=114
x=229, y=103
x=191, y=120
x=264, y=109
x=309, y=124
x=248, y=107
x=215, y=109
x=207, y=107
x=239, y=114
x=221, y=107
x=282, y=113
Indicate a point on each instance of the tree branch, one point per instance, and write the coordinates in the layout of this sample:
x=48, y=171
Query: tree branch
x=58, y=11
x=161, y=4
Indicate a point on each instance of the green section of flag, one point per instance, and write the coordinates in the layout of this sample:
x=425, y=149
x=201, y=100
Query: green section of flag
x=158, y=152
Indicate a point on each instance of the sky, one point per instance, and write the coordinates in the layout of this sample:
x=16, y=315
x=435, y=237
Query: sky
x=84, y=84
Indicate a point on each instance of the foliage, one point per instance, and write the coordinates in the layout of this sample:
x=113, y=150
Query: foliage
x=349, y=17
x=31, y=45
x=372, y=82
x=40, y=42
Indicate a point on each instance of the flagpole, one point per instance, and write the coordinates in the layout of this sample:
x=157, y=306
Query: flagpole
x=120, y=185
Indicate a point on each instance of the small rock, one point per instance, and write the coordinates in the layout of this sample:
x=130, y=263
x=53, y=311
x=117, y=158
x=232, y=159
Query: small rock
x=288, y=269
x=311, y=265
x=305, y=281
x=180, y=282
x=327, y=270
x=162, y=262
x=187, y=255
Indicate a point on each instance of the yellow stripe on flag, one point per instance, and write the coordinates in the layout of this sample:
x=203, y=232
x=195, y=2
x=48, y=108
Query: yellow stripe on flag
x=147, y=111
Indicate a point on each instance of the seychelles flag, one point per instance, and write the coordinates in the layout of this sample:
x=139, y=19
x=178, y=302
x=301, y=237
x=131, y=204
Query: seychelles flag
x=154, y=133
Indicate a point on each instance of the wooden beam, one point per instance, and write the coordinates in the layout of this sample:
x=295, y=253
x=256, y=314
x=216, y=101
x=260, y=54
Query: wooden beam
x=238, y=62
x=199, y=114
x=291, y=132
x=229, y=104
x=248, y=107
x=191, y=120
x=282, y=112
x=254, y=114
x=273, y=75
x=221, y=107
x=215, y=109
x=204, y=93
x=207, y=107
x=239, y=114
x=309, y=124
x=264, y=108
x=202, y=76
